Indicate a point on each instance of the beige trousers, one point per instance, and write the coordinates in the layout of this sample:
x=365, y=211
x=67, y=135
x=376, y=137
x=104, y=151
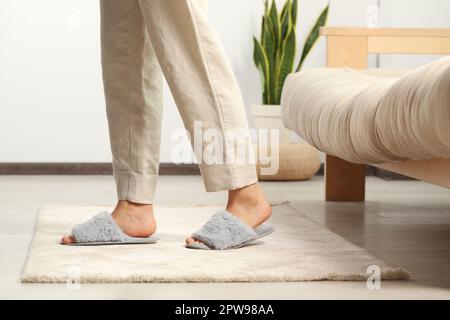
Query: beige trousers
x=142, y=41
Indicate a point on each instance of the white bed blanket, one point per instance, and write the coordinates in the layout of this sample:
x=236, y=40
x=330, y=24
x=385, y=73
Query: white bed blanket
x=372, y=116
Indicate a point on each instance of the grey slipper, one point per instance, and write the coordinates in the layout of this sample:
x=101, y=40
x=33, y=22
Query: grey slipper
x=102, y=229
x=225, y=231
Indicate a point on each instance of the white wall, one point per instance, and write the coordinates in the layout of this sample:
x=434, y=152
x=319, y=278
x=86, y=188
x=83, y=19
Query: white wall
x=50, y=83
x=51, y=102
x=413, y=14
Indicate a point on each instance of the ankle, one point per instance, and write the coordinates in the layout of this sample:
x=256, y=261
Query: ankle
x=250, y=205
x=133, y=208
x=135, y=219
x=249, y=196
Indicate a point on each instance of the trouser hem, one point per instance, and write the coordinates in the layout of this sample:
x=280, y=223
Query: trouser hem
x=227, y=177
x=135, y=187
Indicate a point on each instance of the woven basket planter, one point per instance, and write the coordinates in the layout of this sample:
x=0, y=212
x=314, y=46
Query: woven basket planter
x=295, y=162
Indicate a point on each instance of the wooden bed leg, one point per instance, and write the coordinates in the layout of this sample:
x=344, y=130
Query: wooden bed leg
x=344, y=181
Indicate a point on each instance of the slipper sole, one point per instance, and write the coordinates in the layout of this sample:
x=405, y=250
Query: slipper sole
x=149, y=240
x=261, y=231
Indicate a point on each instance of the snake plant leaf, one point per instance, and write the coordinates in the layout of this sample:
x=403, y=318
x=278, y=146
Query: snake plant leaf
x=294, y=10
x=270, y=48
x=285, y=7
x=286, y=64
x=262, y=63
x=263, y=26
x=273, y=16
x=263, y=20
x=285, y=18
x=313, y=36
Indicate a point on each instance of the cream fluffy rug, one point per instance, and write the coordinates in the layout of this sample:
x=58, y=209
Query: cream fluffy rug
x=299, y=250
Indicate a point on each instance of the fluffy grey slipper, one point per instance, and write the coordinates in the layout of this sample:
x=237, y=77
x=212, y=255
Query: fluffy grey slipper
x=102, y=229
x=225, y=231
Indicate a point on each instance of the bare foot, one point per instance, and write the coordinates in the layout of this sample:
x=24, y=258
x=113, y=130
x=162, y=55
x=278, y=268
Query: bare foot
x=248, y=204
x=135, y=220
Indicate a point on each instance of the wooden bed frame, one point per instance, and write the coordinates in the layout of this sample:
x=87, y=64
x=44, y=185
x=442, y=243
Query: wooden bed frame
x=350, y=47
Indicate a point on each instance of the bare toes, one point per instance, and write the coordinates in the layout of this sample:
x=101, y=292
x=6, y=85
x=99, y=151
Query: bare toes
x=68, y=240
x=191, y=240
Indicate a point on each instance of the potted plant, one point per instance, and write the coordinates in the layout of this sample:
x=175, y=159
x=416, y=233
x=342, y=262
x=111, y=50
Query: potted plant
x=274, y=56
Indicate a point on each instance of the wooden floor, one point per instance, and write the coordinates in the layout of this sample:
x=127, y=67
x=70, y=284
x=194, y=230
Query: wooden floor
x=406, y=223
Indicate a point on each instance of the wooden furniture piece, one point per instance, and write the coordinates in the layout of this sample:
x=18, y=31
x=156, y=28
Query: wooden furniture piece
x=350, y=47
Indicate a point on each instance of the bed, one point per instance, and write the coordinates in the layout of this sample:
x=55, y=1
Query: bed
x=398, y=120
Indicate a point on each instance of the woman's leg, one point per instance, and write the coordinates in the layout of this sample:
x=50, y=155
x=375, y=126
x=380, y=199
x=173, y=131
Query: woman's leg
x=207, y=95
x=133, y=91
